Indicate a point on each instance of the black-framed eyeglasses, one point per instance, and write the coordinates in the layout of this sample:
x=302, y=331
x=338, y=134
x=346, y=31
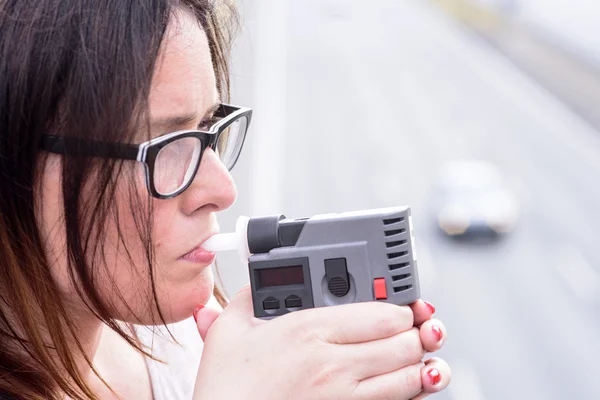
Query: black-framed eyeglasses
x=170, y=161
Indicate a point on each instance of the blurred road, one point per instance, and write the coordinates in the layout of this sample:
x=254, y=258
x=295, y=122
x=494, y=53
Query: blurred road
x=358, y=106
x=574, y=26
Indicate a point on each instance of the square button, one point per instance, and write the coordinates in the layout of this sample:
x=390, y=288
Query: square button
x=293, y=302
x=379, y=289
x=270, y=303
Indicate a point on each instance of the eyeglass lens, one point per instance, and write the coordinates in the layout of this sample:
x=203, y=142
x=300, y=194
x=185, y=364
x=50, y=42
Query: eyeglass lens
x=176, y=162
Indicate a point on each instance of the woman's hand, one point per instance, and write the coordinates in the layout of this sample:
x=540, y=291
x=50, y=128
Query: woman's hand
x=356, y=351
x=436, y=375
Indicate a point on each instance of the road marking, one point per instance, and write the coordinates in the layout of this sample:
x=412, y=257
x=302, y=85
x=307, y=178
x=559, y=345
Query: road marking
x=465, y=383
x=577, y=272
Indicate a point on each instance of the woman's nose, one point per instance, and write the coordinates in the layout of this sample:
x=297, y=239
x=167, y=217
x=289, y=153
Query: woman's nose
x=212, y=189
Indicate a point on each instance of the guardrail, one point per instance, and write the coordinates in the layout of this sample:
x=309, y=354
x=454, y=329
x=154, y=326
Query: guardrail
x=472, y=13
x=570, y=78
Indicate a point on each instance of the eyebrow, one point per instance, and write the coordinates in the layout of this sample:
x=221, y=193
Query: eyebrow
x=173, y=122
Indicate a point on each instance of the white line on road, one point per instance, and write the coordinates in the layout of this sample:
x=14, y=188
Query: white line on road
x=577, y=272
x=465, y=383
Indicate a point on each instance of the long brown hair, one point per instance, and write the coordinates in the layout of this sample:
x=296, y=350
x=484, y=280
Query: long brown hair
x=75, y=66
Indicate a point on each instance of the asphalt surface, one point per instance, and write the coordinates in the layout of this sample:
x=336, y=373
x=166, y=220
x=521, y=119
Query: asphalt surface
x=357, y=106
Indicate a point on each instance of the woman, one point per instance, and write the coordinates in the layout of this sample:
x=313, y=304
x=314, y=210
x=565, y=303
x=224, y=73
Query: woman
x=106, y=109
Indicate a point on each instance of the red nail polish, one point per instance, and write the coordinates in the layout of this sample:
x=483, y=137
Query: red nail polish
x=430, y=306
x=198, y=308
x=435, y=376
x=438, y=332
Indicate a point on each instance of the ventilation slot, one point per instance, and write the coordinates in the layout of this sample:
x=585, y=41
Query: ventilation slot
x=392, y=221
x=394, y=244
x=396, y=278
x=394, y=232
x=396, y=255
x=402, y=288
x=394, y=267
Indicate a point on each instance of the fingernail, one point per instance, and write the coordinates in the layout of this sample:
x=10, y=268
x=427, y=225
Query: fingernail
x=438, y=332
x=430, y=306
x=196, y=310
x=435, y=376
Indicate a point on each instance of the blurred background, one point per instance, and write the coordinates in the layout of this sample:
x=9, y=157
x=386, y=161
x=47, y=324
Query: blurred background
x=484, y=117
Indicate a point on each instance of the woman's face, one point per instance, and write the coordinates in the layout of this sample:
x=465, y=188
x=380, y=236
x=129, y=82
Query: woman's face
x=183, y=84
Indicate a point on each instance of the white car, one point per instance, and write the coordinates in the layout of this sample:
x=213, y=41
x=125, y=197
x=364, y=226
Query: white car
x=472, y=197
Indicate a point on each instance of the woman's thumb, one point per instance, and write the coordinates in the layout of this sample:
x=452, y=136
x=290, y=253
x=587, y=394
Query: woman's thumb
x=241, y=305
x=239, y=311
x=204, y=319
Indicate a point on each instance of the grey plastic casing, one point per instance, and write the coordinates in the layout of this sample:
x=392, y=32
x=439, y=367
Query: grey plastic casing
x=375, y=244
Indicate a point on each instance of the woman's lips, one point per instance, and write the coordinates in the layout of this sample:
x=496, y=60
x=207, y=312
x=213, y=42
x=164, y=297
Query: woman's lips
x=199, y=256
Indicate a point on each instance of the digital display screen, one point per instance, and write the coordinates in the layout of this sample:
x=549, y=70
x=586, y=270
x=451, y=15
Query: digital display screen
x=280, y=276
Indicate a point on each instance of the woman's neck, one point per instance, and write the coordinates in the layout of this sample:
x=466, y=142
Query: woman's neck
x=90, y=334
x=119, y=364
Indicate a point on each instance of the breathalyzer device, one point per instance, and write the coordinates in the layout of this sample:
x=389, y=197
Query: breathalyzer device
x=326, y=260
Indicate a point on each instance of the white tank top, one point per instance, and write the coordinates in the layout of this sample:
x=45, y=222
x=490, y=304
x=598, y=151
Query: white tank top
x=175, y=379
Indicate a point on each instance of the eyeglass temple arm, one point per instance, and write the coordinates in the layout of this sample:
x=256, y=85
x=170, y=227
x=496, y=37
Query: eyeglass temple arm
x=62, y=145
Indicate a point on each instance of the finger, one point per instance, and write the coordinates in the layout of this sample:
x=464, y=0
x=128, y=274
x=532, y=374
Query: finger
x=433, y=335
x=423, y=310
x=240, y=311
x=435, y=376
x=420, y=396
x=385, y=355
x=401, y=384
x=204, y=320
x=356, y=322
x=241, y=303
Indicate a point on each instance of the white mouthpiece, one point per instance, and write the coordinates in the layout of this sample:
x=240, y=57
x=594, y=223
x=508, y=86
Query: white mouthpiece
x=231, y=241
x=221, y=242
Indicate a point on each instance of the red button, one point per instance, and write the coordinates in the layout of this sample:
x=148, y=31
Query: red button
x=380, y=291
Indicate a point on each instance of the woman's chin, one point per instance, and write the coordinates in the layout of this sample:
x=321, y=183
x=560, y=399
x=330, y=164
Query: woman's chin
x=197, y=293
x=179, y=301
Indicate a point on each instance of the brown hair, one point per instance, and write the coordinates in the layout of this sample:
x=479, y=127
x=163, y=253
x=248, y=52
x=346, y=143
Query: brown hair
x=57, y=69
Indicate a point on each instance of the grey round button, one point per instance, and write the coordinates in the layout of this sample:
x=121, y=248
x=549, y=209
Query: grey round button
x=338, y=286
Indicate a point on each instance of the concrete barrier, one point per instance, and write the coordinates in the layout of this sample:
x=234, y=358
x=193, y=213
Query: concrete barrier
x=562, y=72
